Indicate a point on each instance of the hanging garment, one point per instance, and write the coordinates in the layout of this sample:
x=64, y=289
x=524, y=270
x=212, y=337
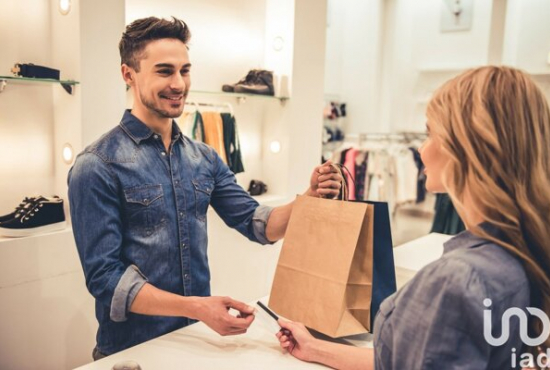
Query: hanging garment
x=389, y=184
x=372, y=177
x=360, y=171
x=232, y=143
x=366, y=179
x=407, y=175
x=446, y=219
x=213, y=133
x=421, y=181
x=198, y=128
x=188, y=123
x=343, y=155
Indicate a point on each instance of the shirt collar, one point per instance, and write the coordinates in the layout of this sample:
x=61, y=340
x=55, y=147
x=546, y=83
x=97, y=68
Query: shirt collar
x=139, y=131
x=176, y=132
x=467, y=239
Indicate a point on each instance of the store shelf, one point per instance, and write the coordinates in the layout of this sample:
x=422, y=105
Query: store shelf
x=4, y=240
x=239, y=96
x=68, y=85
x=32, y=258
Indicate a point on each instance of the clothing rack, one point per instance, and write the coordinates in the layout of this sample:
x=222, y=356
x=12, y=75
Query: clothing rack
x=212, y=105
x=386, y=136
x=216, y=128
x=386, y=167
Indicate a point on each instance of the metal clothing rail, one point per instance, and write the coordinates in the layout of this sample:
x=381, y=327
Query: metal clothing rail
x=387, y=136
x=213, y=105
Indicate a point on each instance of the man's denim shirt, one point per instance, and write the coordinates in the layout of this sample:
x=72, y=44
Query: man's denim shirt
x=139, y=215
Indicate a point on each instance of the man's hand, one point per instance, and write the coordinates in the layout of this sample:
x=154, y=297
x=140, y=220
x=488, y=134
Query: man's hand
x=214, y=312
x=325, y=182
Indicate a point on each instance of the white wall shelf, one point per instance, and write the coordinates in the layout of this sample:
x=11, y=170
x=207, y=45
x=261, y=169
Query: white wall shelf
x=4, y=240
x=241, y=98
x=68, y=85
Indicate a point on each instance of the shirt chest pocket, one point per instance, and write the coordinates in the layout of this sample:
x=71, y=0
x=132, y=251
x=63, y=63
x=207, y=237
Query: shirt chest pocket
x=203, y=193
x=145, y=208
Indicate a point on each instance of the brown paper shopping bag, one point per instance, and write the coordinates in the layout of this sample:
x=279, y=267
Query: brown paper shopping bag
x=325, y=269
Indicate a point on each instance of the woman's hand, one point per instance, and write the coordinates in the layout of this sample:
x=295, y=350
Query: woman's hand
x=295, y=338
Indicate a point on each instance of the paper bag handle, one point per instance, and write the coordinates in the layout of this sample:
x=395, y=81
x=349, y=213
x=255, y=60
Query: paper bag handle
x=344, y=194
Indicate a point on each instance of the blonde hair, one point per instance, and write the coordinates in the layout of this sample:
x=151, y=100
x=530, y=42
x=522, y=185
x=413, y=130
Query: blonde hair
x=494, y=123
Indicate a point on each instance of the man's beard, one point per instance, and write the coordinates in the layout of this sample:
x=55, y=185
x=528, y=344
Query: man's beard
x=161, y=112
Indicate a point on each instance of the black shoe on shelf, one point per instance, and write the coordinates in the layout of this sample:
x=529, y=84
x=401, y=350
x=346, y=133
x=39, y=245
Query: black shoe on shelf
x=39, y=215
x=257, y=81
x=20, y=208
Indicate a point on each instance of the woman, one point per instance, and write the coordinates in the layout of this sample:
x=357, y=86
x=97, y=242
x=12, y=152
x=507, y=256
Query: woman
x=488, y=147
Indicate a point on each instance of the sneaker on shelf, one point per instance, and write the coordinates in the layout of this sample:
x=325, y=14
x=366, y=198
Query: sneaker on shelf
x=39, y=215
x=257, y=81
x=24, y=204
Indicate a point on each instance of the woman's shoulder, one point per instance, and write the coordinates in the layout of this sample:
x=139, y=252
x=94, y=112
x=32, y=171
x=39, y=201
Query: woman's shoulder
x=500, y=272
x=438, y=317
x=475, y=273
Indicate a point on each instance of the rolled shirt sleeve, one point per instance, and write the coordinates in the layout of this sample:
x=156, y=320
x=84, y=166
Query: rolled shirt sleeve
x=97, y=228
x=259, y=223
x=125, y=292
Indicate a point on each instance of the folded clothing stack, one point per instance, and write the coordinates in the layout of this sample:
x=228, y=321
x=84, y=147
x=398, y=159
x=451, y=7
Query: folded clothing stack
x=34, y=215
x=31, y=70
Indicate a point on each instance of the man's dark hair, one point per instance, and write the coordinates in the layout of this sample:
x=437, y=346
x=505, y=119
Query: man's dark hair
x=142, y=31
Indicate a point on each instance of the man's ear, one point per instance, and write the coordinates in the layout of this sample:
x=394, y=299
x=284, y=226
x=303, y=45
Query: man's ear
x=128, y=74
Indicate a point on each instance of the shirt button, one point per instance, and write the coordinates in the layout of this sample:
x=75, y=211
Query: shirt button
x=177, y=182
x=156, y=136
x=186, y=276
x=181, y=214
x=183, y=245
x=163, y=153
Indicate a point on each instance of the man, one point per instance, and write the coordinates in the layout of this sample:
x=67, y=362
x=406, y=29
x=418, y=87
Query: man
x=139, y=197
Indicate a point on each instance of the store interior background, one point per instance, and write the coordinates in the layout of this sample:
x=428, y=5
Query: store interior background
x=382, y=57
